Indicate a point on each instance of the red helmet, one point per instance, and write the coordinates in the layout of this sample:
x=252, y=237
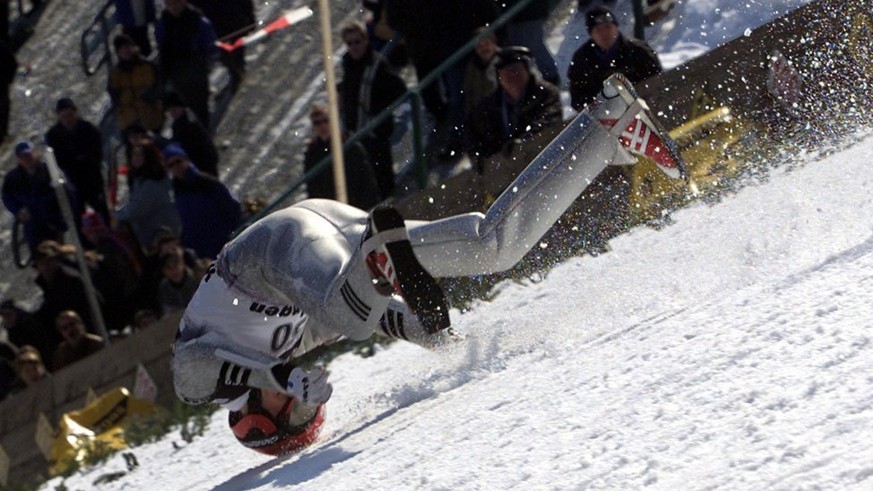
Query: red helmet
x=260, y=431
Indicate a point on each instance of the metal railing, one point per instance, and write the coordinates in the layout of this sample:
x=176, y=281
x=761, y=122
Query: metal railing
x=95, y=42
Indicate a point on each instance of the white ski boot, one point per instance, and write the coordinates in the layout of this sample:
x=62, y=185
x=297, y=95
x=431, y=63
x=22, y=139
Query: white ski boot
x=629, y=118
x=395, y=268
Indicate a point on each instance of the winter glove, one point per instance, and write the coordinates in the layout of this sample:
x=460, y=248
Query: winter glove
x=310, y=388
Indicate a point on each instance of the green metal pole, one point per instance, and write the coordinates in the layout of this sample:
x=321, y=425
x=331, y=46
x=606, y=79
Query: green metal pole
x=639, y=20
x=418, y=138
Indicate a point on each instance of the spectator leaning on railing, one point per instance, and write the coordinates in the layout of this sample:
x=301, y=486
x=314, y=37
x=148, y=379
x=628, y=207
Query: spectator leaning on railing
x=78, y=147
x=29, y=196
x=369, y=86
x=116, y=271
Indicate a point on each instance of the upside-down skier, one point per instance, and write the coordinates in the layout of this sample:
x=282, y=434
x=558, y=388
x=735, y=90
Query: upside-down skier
x=319, y=271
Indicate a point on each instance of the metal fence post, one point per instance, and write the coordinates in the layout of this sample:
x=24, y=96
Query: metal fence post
x=418, y=137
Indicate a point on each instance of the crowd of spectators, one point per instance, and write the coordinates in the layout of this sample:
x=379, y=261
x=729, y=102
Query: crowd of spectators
x=146, y=256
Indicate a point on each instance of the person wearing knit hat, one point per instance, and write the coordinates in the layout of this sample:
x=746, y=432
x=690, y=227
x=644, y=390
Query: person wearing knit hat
x=607, y=52
x=65, y=103
x=599, y=15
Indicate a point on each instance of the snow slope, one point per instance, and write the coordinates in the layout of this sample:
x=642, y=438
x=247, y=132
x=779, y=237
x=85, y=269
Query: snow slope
x=730, y=350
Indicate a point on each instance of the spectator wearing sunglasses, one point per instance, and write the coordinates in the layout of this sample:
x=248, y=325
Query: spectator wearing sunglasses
x=361, y=188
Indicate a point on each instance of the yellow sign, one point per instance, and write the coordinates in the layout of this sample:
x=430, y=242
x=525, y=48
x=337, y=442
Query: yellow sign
x=710, y=145
x=99, y=427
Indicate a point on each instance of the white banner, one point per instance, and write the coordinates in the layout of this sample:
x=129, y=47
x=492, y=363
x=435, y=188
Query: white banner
x=144, y=387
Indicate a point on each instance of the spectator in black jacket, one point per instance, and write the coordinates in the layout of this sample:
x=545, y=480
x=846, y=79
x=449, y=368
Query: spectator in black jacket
x=78, y=147
x=231, y=19
x=116, y=272
x=25, y=330
x=8, y=67
x=433, y=31
x=361, y=188
x=526, y=29
x=186, y=47
x=191, y=135
x=135, y=17
x=29, y=196
x=607, y=52
x=523, y=105
x=369, y=86
x=8, y=375
x=62, y=287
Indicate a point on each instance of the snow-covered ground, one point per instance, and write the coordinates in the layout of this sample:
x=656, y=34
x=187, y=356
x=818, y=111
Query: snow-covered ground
x=729, y=350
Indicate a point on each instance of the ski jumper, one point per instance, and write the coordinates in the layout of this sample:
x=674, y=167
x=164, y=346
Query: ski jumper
x=297, y=278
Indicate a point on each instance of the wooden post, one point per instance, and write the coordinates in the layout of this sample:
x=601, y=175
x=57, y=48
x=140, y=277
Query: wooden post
x=336, y=143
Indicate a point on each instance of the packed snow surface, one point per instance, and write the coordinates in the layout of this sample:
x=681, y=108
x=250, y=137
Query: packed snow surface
x=728, y=350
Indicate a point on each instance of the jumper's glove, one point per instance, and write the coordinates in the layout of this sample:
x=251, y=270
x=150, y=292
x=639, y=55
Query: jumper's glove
x=310, y=388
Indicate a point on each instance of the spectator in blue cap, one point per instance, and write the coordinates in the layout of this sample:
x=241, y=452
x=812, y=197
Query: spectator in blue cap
x=28, y=194
x=209, y=212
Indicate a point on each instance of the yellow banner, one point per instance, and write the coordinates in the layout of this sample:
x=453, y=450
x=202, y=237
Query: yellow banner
x=96, y=429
